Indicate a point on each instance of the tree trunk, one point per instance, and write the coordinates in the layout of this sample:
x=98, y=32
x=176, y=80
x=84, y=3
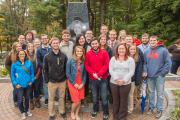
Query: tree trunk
x=102, y=11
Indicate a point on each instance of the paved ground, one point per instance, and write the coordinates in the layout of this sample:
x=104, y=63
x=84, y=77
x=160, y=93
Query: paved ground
x=9, y=112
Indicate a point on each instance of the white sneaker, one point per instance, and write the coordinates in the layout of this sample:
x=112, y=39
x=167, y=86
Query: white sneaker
x=29, y=114
x=23, y=116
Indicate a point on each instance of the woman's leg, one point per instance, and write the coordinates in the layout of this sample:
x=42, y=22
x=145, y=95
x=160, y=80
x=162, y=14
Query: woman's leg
x=73, y=109
x=77, y=111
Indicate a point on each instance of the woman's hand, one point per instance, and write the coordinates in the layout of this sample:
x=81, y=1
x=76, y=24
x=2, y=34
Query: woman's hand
x=120, y=82
x=80, y=86
x=76, y=85
x=30, y=83
x=18, y=86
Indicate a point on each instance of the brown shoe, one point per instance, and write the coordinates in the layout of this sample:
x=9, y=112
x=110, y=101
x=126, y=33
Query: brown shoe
x=31, y=104
x=37, y=103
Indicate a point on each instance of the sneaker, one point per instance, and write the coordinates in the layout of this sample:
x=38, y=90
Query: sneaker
x=105, y=117
x=93, y=114
x=63, y=115
x=23, y=116
x=29, y=114
x=150, y=112
x=46, y=102
x=51, y=117
x=159, y=114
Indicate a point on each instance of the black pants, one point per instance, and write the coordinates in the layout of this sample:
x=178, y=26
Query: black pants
x=35, y=89
x=175, y=66
x=23, y=99
x=120, y=101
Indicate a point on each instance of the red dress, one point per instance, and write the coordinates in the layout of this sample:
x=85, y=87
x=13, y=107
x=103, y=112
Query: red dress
x=76, y=94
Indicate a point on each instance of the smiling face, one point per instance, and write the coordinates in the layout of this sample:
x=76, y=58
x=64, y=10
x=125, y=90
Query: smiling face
x=121, y=50
x=129, y=40
x=79, y=52
x=95, y=45
x=112, y=35
x=21, y=55
x=18, y=47
x=44, y=39
x=30, y=47
x=103, y=41
x=66, y=37
x=153, y=42
x=145, y=39
x=132, y=50
x=104, y=30
x=82, y=41
x=21, y=39
x=55, y=44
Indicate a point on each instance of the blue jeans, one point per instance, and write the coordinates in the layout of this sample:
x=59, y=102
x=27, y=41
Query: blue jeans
x=23, y=99
x=100, y=86
x=156, y=83
x=45, y=87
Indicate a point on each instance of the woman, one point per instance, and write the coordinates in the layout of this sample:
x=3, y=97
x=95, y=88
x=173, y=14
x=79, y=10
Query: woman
x=37, y=43
x=29, y=37
x=10, y=59
x=81, y=41
x=174, y=49
x=137, y=78
x=104, y=46
x=76, y=74
x=22, y=75
x=35, y=90
x=121, y=68
x=122, y=36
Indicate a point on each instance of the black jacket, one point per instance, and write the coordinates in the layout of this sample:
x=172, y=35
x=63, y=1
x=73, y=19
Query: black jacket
x=54, y=67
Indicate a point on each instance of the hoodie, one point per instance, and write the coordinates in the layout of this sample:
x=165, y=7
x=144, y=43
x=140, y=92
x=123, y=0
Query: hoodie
x=157, y=61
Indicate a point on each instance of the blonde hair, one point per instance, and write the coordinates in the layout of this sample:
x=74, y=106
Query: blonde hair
x=120, y=34
x=74, y=53
x=14, y=52
x=136, y=56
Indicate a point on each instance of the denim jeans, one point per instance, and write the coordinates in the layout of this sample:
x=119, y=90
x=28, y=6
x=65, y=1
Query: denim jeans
x=100, y=86
x=156, y=83
x=23, y=99
x=15, y=98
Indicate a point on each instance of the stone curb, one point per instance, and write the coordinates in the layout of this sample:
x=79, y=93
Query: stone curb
x=171, y=105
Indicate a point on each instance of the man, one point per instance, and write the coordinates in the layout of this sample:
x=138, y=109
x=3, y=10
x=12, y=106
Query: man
x=112, y=42
x=66, y=46
x=104, y=30
x=22, y=41
x=41, y=52
x=144, y=42
x=89, y=37
x=55, y=76
x=96, y=64
x=157, y=65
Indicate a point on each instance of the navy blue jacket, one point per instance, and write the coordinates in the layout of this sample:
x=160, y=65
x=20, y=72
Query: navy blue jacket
x=71, y=71
x=41, y=52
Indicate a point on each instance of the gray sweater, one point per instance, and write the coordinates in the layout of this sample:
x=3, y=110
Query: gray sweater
x=121, y=70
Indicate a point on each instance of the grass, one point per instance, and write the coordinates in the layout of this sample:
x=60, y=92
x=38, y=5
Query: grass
x=175, y=115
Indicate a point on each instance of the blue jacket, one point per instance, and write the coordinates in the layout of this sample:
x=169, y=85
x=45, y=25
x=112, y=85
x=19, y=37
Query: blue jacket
x=19, y=76
x=71, y=71
x=41, y=52
x=157, y=61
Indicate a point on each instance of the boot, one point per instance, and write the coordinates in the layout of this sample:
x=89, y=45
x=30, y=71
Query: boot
x=31, y=104
x=37, y=102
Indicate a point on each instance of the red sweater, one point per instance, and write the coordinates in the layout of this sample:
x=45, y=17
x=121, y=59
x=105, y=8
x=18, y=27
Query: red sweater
x=97, y=63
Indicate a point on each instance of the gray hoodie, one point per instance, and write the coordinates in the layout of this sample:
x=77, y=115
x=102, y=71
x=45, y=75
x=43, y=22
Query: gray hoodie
x=157, y=61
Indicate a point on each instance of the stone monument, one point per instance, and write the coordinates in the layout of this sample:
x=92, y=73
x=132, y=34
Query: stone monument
x=77, y=20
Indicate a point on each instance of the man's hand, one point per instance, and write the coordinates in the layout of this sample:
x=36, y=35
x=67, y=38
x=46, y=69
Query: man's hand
x=95, y=76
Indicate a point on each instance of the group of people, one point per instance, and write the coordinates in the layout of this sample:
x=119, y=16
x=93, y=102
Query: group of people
x=107, y=65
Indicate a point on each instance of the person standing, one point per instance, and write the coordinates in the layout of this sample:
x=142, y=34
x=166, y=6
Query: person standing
x=22, y=75
x=137, y=77
x=144, y=42
x=41, y=52
x=104, y=46
x=10, y=59
x=121, y=69
x=96, y=64
x=174, y=49
x=22, y=41
x=104, y=31
x=55, y=76
x=157, y=65
x=34, y=92
x=76, y=75
x=89, y=37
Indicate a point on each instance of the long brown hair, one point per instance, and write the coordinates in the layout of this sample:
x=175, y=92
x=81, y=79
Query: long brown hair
x=74, y=53
x=136, y=56
x=117, y=54
x=31, y=58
